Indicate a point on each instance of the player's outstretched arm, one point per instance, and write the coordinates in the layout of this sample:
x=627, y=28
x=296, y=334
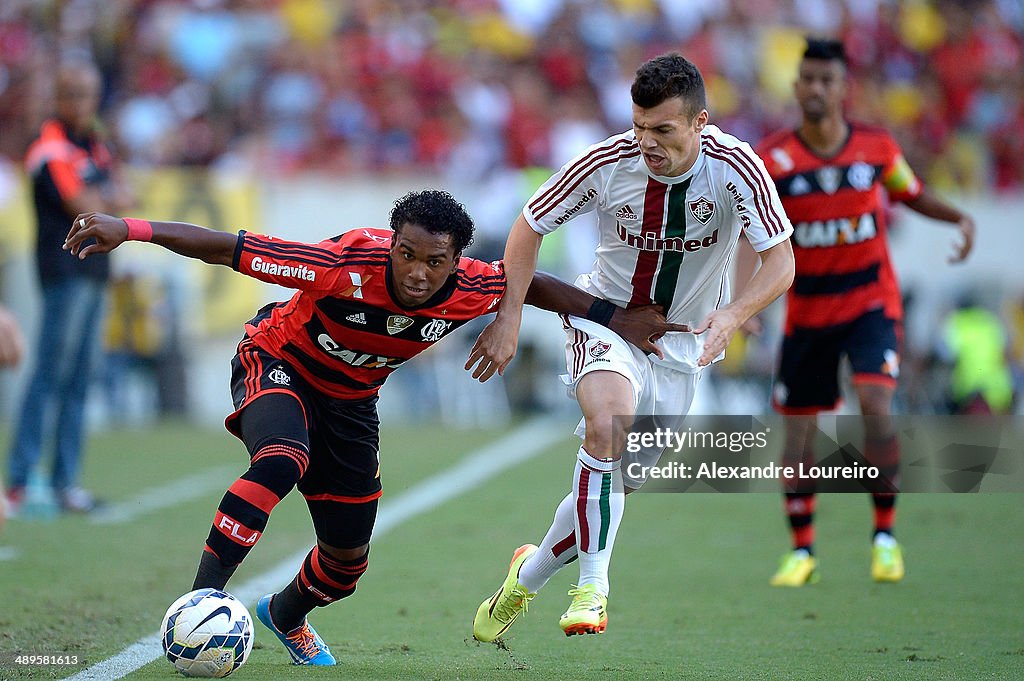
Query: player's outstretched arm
x=641, y=326
x=931, y=206
x=193, y=241
x=496, y=345
x=769, y=282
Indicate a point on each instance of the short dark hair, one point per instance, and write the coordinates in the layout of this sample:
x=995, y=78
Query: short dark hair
x=667, y=76
x=437, y=212
x=825, y=49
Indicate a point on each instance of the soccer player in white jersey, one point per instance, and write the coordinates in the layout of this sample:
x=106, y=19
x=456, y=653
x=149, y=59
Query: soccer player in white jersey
x=672, y=195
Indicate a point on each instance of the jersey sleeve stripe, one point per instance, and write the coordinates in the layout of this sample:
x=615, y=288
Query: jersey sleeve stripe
x=481, y=280
x=368, y=249
x=590, y=171
x=274, y=251
x=545, y=203
x=292, y=259
x=350, y=263
x=291, y=250
x=485, y=291
x=539, y=203
x=292, y=246
x=772, y=222
x=775, y=224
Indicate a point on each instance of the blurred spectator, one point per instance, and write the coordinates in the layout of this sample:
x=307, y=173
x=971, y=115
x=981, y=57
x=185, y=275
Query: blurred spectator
x=12, y=342
x=424, y=85
x=72, y=171
x=12, y=349
x=974, y=342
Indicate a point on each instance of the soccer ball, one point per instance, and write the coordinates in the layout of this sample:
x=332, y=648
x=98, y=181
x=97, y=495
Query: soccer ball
x=207, y=633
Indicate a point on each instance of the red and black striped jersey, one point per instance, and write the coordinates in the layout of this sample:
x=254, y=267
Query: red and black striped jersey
x=838, y=209
x=61, y=166
x=343, y=330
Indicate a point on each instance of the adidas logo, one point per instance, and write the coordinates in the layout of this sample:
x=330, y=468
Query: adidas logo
x=625, y=213
x=358, y=318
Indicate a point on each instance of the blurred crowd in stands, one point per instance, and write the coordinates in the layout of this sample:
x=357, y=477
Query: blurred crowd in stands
x=468, y=87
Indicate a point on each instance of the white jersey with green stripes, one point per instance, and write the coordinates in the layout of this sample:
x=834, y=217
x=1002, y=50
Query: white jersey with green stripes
x=665, y=240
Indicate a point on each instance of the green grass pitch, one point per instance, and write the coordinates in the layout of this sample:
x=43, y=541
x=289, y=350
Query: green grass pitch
x=690, y=596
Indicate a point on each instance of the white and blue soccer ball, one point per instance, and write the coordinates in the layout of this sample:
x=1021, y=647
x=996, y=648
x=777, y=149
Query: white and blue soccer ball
x=207, y=633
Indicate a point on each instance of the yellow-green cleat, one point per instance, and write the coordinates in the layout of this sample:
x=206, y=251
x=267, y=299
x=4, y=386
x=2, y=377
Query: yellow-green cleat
x=496, y=614
x=887, y=561
x=588, y=612
x=798, y=568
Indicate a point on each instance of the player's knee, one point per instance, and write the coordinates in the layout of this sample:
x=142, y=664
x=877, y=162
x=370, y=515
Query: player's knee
x=345, y=554
x=331, y=573
x=278, y=465
x=605, y=437
x=875, y=400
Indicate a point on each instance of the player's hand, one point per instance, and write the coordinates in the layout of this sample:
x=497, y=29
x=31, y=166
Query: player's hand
x=644, y=325
x=963, y=249
x=719, y=325
x=12, y=343
x=494, y=348
x=109, y=232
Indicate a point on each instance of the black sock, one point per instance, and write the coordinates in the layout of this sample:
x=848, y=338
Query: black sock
x=290, y=606
x=212, y=573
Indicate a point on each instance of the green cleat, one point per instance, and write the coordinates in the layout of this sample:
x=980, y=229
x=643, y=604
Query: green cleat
x=588, y=612
x=887, y=562
x=798, y=568
x=496, y=614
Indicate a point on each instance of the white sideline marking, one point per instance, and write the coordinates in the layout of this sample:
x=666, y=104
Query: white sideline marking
x=9, y=552
x=158, y=498
x=518, y=446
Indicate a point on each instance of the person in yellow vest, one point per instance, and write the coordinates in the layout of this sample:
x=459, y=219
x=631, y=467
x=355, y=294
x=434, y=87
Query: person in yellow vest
x=975, y=344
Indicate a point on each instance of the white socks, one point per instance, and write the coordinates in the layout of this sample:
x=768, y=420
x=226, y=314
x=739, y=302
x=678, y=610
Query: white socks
x=556, y=550
x=585, y=524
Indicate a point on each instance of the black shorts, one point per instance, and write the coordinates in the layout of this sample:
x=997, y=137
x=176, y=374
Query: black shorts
x=343, y=435
x=808, y=378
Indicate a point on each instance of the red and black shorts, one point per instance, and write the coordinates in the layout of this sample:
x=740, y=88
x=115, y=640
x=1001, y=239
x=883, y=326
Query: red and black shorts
x=808, y=378
x=342, y=482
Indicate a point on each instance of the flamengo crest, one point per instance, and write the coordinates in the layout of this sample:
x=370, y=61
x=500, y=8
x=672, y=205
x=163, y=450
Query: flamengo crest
x=278, y=375
x=703, y=210
x=434, y=330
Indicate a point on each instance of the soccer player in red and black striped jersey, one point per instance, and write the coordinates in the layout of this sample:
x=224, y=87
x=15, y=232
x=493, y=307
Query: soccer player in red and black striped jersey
x=835, y=178
x=307, y=371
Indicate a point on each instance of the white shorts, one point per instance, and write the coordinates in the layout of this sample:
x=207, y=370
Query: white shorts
x=657, y=389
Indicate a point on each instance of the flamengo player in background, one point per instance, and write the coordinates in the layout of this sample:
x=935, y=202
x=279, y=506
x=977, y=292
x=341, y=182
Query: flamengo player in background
x=831, y=174
x=307, y=371
x=672, y=197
